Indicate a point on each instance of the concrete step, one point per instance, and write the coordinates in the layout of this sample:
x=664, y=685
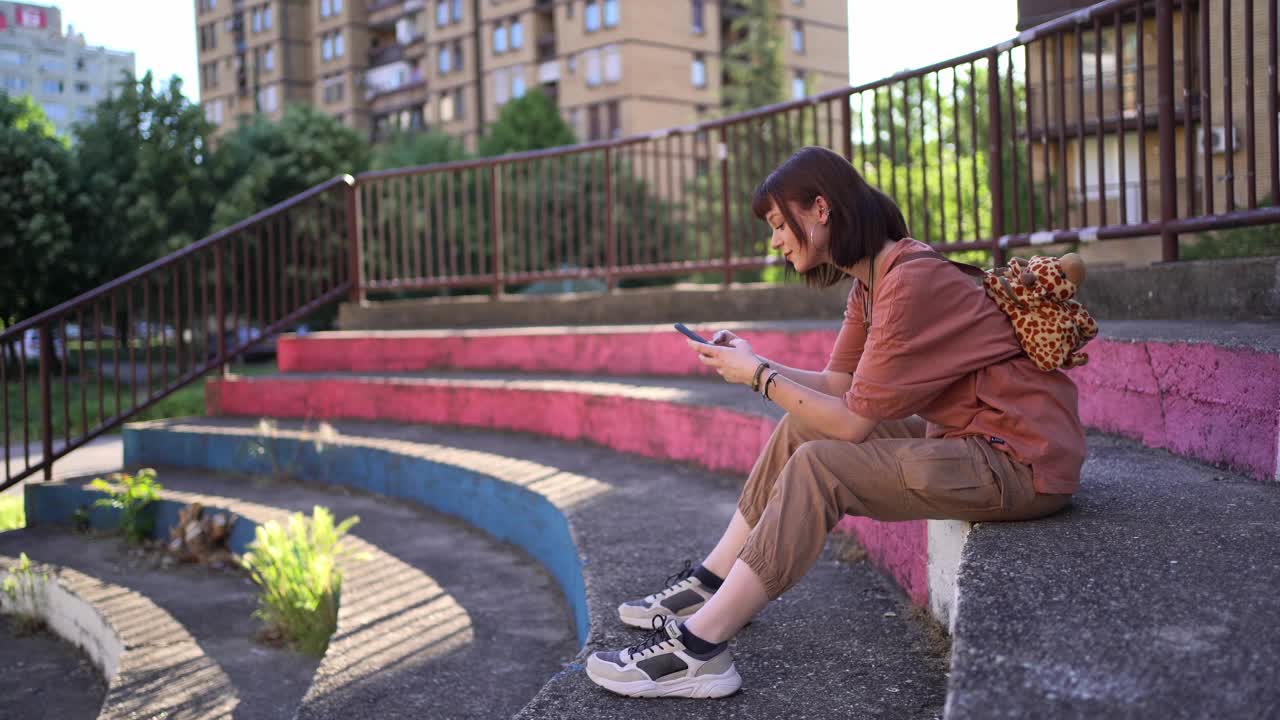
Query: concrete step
x=1209, y=391
x=405, y=641
x=843, y=642
x=1153, y=596
x=151, y=663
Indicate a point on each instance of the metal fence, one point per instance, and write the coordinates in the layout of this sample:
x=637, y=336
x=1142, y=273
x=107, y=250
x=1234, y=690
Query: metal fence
x=1130, y=118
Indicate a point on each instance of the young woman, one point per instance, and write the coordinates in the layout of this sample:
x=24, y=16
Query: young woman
x=928, y=408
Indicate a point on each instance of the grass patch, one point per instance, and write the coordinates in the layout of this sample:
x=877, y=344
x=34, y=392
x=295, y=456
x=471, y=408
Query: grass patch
x=1260, y=241
x=846, y=548
x=299, y=580
x=936, y=638
x=12, y=512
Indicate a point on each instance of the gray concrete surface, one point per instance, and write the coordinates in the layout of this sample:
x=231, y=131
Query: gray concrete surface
x=1261, y=336
x=1236, y=290
x=1153, y=596
x=44, y=678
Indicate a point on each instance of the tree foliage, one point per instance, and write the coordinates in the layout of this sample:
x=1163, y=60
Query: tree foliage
x=531, y=122
x=753, y=63
x=410, y=149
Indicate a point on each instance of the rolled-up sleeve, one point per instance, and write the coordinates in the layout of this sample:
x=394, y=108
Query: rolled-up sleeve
x=847, y=351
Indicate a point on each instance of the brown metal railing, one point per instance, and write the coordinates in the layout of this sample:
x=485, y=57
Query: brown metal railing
x=1098, y=125
x=117, y=350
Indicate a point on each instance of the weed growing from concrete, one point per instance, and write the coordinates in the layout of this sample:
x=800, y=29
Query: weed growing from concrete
x=847, y=549
x=12, y=513
x=296, y=569
x=936, y=638
x=133, y=496
x=283, y=460
x=25, y=590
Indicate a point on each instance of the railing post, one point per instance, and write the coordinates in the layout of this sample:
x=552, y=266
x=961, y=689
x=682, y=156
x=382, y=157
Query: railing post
x=846, y=118
x=46, y=401
x=995, y=153
x=355, y=244
x=1168, y=167
x=723, y=149
x=495, y=230
x=610, y=252
x=220, y=308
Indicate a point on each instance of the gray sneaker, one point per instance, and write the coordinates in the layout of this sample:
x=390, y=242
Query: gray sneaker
x=661, y=666
x=682, y=597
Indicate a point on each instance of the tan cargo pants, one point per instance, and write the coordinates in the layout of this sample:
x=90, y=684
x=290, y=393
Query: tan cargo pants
x=804, y=482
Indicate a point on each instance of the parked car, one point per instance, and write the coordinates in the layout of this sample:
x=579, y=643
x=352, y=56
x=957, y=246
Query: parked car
x=31, y=345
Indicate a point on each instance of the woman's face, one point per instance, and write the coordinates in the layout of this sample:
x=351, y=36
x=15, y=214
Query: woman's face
x=807, y=255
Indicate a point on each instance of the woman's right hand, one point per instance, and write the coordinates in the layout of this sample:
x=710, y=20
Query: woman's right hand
x=728, y=339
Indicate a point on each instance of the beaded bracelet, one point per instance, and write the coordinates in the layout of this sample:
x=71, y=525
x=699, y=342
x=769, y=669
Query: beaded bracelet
x=755, y=381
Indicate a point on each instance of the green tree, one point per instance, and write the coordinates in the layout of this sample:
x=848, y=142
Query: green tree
x=143, y=159
x=753, y=63
x=531, y=122
x=264, y=162
x=40, y=207
x=410, y=149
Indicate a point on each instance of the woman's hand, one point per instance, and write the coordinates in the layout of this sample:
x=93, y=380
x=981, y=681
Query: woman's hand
x=735, y=364
x=728, y=339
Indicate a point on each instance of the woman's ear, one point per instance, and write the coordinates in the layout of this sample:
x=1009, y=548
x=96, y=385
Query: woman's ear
x=824, y=210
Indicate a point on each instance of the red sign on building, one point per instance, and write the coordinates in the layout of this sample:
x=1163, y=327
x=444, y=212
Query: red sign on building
x=4, y=24
x=30, y=18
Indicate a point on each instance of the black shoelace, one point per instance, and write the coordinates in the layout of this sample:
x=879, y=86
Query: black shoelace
x=681, y=575
x=653, y=639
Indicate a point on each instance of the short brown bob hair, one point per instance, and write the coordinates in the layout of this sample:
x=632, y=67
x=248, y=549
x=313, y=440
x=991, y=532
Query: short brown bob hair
x=862, y=218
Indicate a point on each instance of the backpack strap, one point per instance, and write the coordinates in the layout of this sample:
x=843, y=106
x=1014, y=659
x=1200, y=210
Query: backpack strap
x=970, y=270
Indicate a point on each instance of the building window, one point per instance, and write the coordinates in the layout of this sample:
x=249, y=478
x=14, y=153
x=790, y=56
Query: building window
x=334, y=87
x=457, y=11
x=269, y=59
x=593, y=123
x=52, y=64
x=442, y=13
x=499, y=38
x=592, y=58
x=83, y=88
x=517, y=34
x=51, y=87
x=797, y=36
x=615, y=119
x=13, y=57
x=444, y=60
x=326, y=47
x=798, y=85
x=699, y=71
x=337, y=44
x=446, y=107
x=267, y=99
x=612, y=64
x=591, y=17
x=571, y=63
x=213, y=112
x=575, y=122
x=330, y=8
x=55, y=111
x=611, y=13
x=517, y=82
x=568, y=9
x=501, y=90
x=698, y=26
x=459, y=107
x=257, y=20
x=16, y=84
x=266, y=17
x=457, y=55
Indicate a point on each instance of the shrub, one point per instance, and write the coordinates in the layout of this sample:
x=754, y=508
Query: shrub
x=25, y=590
x=12, y=513
x=296, y=569
x=132, y=495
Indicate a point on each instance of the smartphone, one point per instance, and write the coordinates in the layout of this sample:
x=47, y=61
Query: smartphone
x=691, y=334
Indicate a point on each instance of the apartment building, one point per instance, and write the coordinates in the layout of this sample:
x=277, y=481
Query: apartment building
x=64, y=75
x=614, y=67
x=1069, y=77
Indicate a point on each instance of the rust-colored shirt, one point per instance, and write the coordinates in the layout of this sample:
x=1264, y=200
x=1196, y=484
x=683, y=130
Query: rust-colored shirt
x=940, y=348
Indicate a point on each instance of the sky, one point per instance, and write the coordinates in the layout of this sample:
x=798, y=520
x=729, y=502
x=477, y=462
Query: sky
x=885, y=36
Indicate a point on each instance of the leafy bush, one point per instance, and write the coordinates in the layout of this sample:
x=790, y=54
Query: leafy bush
x=132, y=496
x=12, y=513
x=296, y=569
x=25, y=590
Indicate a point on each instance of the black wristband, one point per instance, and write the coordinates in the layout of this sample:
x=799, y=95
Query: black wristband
x=755, y=381
x=772, y=376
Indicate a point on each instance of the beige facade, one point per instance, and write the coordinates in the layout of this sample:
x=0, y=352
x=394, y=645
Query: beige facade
x=1096, y=193
x=614, y=67
x=65, y=76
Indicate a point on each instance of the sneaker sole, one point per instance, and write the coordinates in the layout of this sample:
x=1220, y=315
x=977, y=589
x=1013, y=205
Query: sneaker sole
x=705, y=686
x=644, y=621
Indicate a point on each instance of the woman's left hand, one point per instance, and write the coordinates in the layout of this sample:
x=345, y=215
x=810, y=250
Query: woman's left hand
x=735, y=365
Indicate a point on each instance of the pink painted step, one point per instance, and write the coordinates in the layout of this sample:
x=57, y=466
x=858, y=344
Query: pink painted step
x=1207, y=392
x=647, y=421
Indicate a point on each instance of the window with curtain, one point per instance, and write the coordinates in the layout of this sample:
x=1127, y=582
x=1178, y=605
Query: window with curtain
x=698, y=25
x=591, y=16
x=611, y=13
x=499, y=38
x=698, y=71
x=612, y=64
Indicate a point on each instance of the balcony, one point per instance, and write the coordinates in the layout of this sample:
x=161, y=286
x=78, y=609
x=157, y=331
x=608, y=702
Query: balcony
x=549, y=72
x=393, y=78
x=385, y=55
